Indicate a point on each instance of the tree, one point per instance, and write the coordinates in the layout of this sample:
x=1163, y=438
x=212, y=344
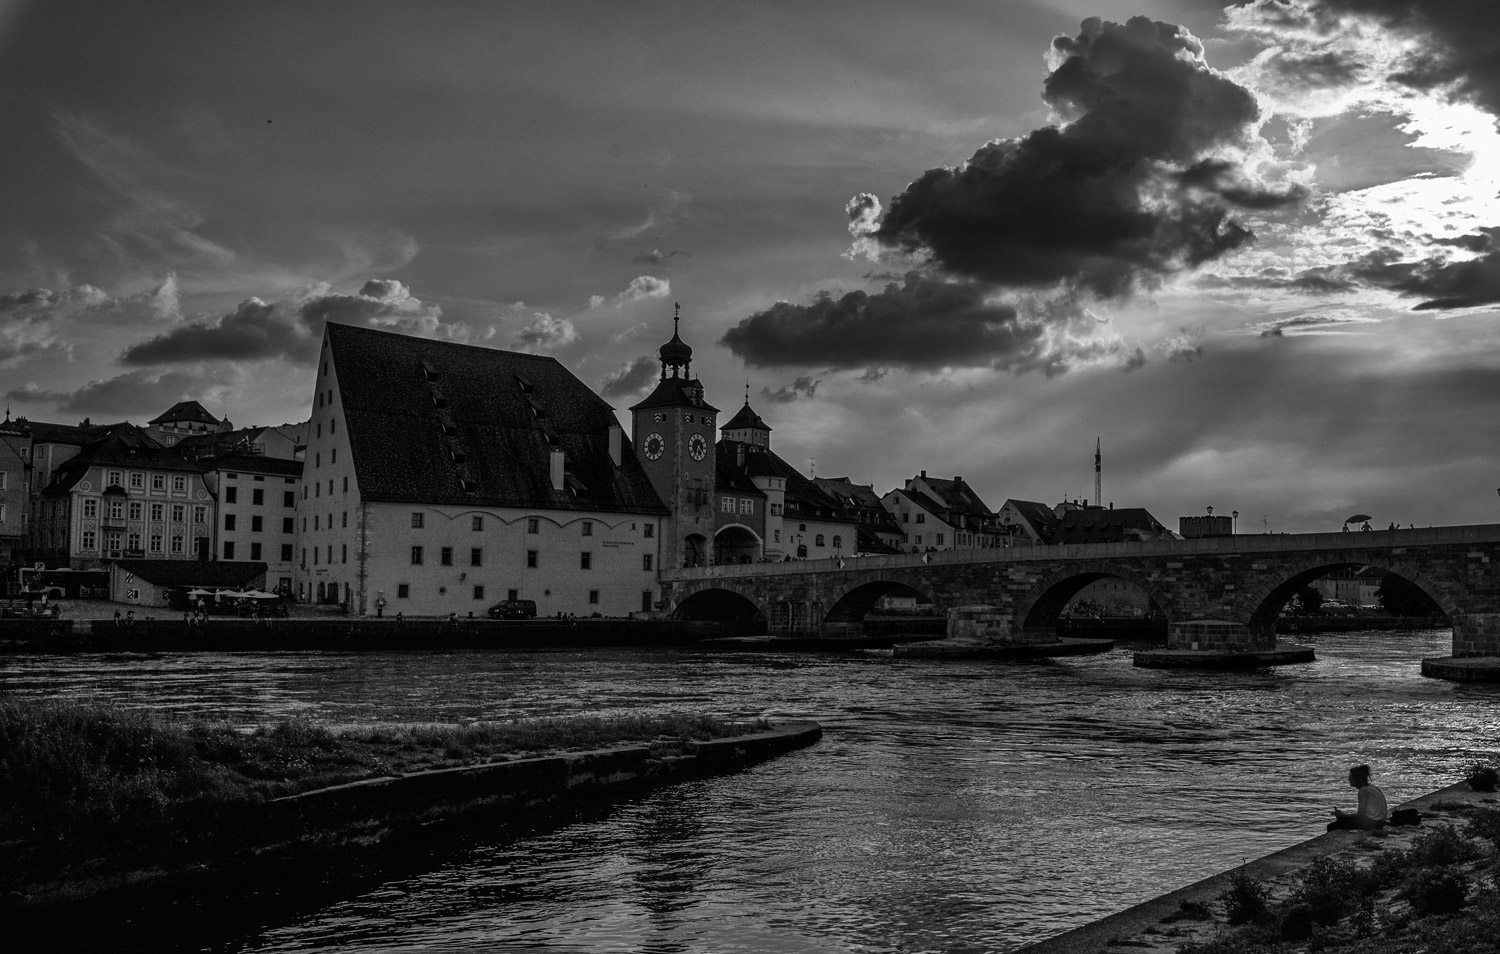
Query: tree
x=1309, y=601
x=1401, y=597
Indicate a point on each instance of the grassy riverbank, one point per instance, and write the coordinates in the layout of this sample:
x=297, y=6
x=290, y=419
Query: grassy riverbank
x=81, y=782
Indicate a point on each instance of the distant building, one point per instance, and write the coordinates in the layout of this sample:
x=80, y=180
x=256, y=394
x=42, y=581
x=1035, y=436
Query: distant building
x=442, y=478
x=151, y=583
x=15, y=489
x=184, y=419
x=257, y=501
x=876, y=528
x=1206, y=525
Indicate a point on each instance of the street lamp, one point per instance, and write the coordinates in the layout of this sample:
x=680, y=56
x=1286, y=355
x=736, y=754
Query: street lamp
x=1236, y=516
x=1210, y=511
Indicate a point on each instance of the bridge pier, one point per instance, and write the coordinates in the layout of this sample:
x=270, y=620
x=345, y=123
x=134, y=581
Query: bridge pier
x=1219, y=644
x=1476, y=634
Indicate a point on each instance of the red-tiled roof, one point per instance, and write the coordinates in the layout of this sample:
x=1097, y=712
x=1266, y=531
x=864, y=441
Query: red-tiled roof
x=204, y=573
x=745, y=417
x=479, y=429
x=185, y=411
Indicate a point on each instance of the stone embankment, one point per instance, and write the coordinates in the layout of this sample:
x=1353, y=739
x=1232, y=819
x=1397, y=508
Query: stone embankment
x=287, y=838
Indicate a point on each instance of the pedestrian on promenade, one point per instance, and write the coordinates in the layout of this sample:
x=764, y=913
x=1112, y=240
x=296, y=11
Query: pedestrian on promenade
x=1371, y=811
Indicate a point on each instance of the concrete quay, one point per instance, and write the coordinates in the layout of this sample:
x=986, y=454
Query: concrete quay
x=1463, y=668
x=1284, y=654
x=962, y=648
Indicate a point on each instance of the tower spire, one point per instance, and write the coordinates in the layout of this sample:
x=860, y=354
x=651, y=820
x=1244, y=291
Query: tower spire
x=1098, y=473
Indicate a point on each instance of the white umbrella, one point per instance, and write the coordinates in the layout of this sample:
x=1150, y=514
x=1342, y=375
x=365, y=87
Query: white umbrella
x=200, y=591
x=258, y=595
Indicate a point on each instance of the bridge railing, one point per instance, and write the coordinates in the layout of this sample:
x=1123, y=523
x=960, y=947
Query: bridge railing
x=1238, y=544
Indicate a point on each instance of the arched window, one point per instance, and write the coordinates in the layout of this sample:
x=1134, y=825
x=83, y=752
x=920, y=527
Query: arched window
x=801, y=551
x=838, y=542
x=819, y=540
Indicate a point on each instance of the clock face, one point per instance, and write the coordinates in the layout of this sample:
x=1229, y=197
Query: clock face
x=697, y=446
x=654, y=446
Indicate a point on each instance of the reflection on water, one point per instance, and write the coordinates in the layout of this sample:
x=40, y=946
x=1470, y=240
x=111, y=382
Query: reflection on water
x=950, y=807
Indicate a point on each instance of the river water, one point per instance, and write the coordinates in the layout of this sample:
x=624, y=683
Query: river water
x=950, y=807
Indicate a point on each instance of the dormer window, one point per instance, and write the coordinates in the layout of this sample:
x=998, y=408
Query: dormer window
x=524, y=384
x=456, y=455
x=450, y=430
x=428, y=371
x=438, y=399
x=467, y=485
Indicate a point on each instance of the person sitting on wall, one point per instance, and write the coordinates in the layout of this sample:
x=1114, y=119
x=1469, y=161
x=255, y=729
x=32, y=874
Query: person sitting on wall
x=1371, y=811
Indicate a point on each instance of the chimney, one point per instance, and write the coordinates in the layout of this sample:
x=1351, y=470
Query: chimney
x=616, y=435
x=924, y=475
x=559, y=459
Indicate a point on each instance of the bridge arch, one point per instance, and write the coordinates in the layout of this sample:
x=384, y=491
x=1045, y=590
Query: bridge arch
x=1263, y=602
x=718, y=604
x=860, y=597
x=737, y=543
x=1037, y=613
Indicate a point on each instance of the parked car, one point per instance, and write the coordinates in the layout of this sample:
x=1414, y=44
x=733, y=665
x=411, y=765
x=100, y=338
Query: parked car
x=513, y=609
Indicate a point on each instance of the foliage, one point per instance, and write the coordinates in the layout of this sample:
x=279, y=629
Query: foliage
x=1482, y=777
x=1436, y=890
x=1485, y=823
x=1401, y=597
x=1327, y=890
x=1438, y=846
x=1309, y=601
x=1246, y=901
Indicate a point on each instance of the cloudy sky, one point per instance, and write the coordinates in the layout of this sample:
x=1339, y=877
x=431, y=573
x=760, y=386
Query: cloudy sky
x=1256, y=249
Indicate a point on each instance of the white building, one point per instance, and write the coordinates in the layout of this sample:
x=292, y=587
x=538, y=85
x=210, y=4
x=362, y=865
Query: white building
x=442, y=478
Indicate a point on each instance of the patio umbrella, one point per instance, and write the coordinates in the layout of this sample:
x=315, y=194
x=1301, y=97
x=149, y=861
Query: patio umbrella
x=258, y=595
x=1358, y=518
x=200, y=591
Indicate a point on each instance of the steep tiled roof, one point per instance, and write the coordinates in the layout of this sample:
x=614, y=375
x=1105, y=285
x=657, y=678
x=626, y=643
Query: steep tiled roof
x=78, y=434
x=730, y=472
x=957, y=496
x=1041, y=517
x=1098, y=525
x=862, y=500
x=204, y=573
x=185, y=411
x=257, y=464
x=746, y=417
x=676, y=392
x=436, y=422
x=125, y=445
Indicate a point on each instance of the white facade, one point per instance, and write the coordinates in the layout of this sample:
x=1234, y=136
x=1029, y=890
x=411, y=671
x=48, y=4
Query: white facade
x=257, y=520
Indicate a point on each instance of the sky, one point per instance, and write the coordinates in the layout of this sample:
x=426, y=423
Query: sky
x=1252, y=249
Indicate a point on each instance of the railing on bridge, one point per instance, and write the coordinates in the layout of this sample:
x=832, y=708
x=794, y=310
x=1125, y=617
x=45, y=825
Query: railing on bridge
x=1241, y=543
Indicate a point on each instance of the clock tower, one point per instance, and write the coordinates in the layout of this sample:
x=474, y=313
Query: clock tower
x=674, y=430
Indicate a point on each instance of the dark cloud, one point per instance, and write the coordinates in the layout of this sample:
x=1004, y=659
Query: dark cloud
x=1443, y=283
x=132, y=394
x=923, y=323
x=804, y=387
x=656, y=257
x=1320, y=280
x=1279, y=327
x=257, y=331
x=631, y=378
x=1129, y=190
x=1465, y=35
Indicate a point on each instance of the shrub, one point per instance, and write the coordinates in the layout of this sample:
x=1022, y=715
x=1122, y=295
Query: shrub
x=1485, y=823
x=1436, y=891
x=1331, y=889
x=1482, y=778
x=1435, y=847
x=1245, y=901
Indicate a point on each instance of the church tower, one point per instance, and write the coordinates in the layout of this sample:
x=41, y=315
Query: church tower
x=673, y=431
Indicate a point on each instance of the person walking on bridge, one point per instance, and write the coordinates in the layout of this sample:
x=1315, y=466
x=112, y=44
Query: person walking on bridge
x=1371, y=811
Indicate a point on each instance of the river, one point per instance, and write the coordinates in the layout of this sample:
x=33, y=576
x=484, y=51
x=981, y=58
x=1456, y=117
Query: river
x=950, y=807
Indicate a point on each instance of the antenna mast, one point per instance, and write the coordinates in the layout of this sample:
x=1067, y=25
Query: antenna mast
x=1098, y=474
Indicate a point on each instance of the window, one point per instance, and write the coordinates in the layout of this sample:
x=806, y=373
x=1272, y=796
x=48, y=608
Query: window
x=403, y=590
x=476, y=556
x=289, y=498
x=588, y=528
x=645, y=561
x=802, y=527
x=135, y=510
x=940, y=539
x=416, y=519
x=178, y=513
x=906, y=518
x=479, y=592
x=818, y=540
x=288, y=524
x=199, y=514
x=531, y=559
x=416, y=556
x=158, y=481
x=229, y=550
x=445, y=556
x=775, y=536
x=346, y=518
x=177, y=543
x=645, y=601
x=231, y=494
x=330, y=486
x=921, y=518
x=333, y=456
x=476, y=523
x=179, y=484
x=257, y=497
x=346, y=483
x=255, y=551
x=838, y=541
x=333, y=426
x=256, y=524
x=533, y=525
x=112, y=540
x=320, y=429
x=304, y=558
x=649, y=530
x=317, y=460
x=512, y=594
x=137, y=480
x=229, y=521
x=330, y=553
x=91, y=508
x=343, y=553
x=286, y=553
x=158, y=512
x=775, y=509
x=801, y=552
x=593, y=597
x=88, y=539
x=727, y=505
x=585, y=560
x=747, y=506
x=112, y=479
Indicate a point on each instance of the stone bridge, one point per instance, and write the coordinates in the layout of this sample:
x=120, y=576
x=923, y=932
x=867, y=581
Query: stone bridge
x=1217, y=593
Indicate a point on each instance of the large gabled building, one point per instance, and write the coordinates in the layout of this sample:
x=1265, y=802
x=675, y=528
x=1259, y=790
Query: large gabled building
x=442, y=477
